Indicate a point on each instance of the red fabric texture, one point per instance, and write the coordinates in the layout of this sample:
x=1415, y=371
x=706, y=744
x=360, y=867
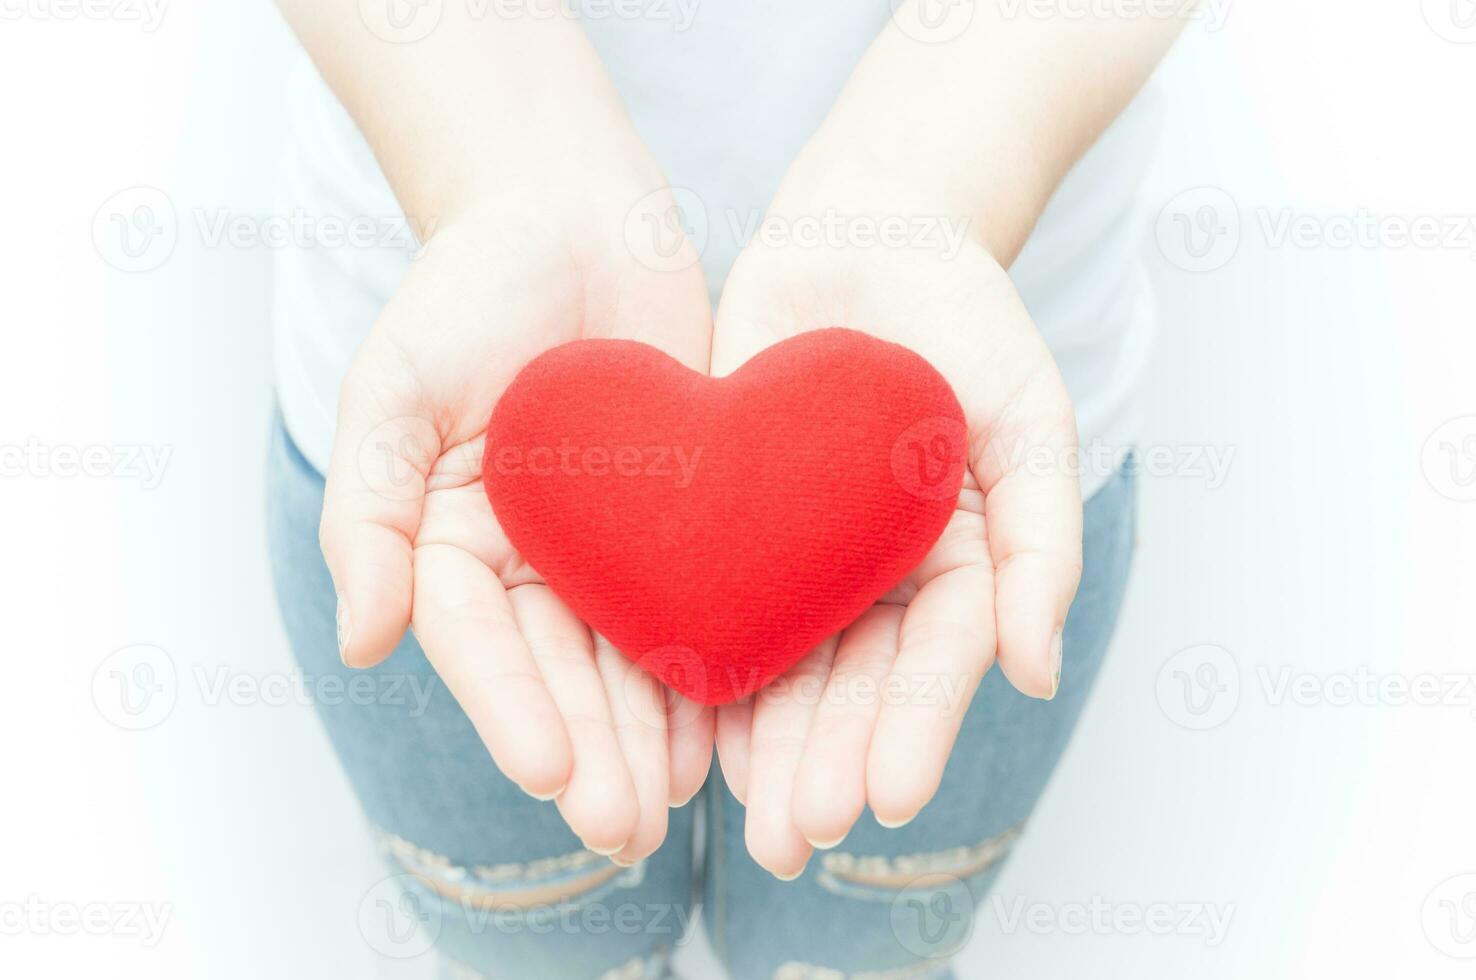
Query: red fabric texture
x=717, y=529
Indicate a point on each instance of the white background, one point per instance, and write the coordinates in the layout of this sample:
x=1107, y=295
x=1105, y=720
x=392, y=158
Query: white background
x=1336, y=553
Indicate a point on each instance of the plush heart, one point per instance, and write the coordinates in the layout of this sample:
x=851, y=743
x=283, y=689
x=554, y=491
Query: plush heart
x=716, y=529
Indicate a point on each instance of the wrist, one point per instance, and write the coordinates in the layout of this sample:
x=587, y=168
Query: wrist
x=550, y=189
x=871, y=172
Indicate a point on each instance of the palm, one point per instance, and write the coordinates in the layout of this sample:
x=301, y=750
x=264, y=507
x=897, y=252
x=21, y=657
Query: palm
x=562, y=713
x=807, y=766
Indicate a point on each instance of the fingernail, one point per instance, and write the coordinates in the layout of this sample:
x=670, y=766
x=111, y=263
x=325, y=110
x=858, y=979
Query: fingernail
x=619, y=863
x=1056, y=651
x=893, y=826
x=824, y=845
x=789, y=877
x=605, y=851
x=345, y=629
x=545, y=797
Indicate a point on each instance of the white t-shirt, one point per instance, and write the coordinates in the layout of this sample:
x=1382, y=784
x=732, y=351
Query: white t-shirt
x=725, y=103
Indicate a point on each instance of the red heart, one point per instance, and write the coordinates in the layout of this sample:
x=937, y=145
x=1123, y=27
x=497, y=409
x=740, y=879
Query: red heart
x=717, y=529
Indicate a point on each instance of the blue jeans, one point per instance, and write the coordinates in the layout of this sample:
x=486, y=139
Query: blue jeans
x=502, y=889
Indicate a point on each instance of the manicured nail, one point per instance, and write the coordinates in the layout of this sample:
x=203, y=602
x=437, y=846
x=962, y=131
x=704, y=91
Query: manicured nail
x=345, y=629
x=1056, y=651
x=825, y=845
x=893, y=826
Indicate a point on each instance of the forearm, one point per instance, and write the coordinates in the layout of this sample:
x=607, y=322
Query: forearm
x=985, y=125
x=484, y=104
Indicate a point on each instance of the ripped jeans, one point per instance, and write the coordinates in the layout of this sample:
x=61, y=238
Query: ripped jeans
x=498, y=887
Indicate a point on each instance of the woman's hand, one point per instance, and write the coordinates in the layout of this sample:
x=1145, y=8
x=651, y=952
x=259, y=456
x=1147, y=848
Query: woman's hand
x=871, y=715
x=410, y=537
x=974, y=127
x=506, y=135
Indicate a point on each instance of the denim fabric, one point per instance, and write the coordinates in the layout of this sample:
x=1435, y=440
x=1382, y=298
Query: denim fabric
x=884, y=903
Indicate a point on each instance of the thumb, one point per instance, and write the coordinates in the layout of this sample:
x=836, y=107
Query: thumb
x=382, y=452
x=1034, y=518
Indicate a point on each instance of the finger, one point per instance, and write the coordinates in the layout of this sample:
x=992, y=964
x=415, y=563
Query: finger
x=1035, y=524
x=739, y=334
x=689, y=727
x=731, y=738
x=638, y=708
x=945, y=645
x=464, y=621
x=599, y=802
x=665, y=304
x=830, y=785
x=782, y=714
x=371, y=509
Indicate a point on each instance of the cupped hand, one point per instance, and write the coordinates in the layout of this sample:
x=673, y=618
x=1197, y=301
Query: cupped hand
x=871, y=715
x=410, y=537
